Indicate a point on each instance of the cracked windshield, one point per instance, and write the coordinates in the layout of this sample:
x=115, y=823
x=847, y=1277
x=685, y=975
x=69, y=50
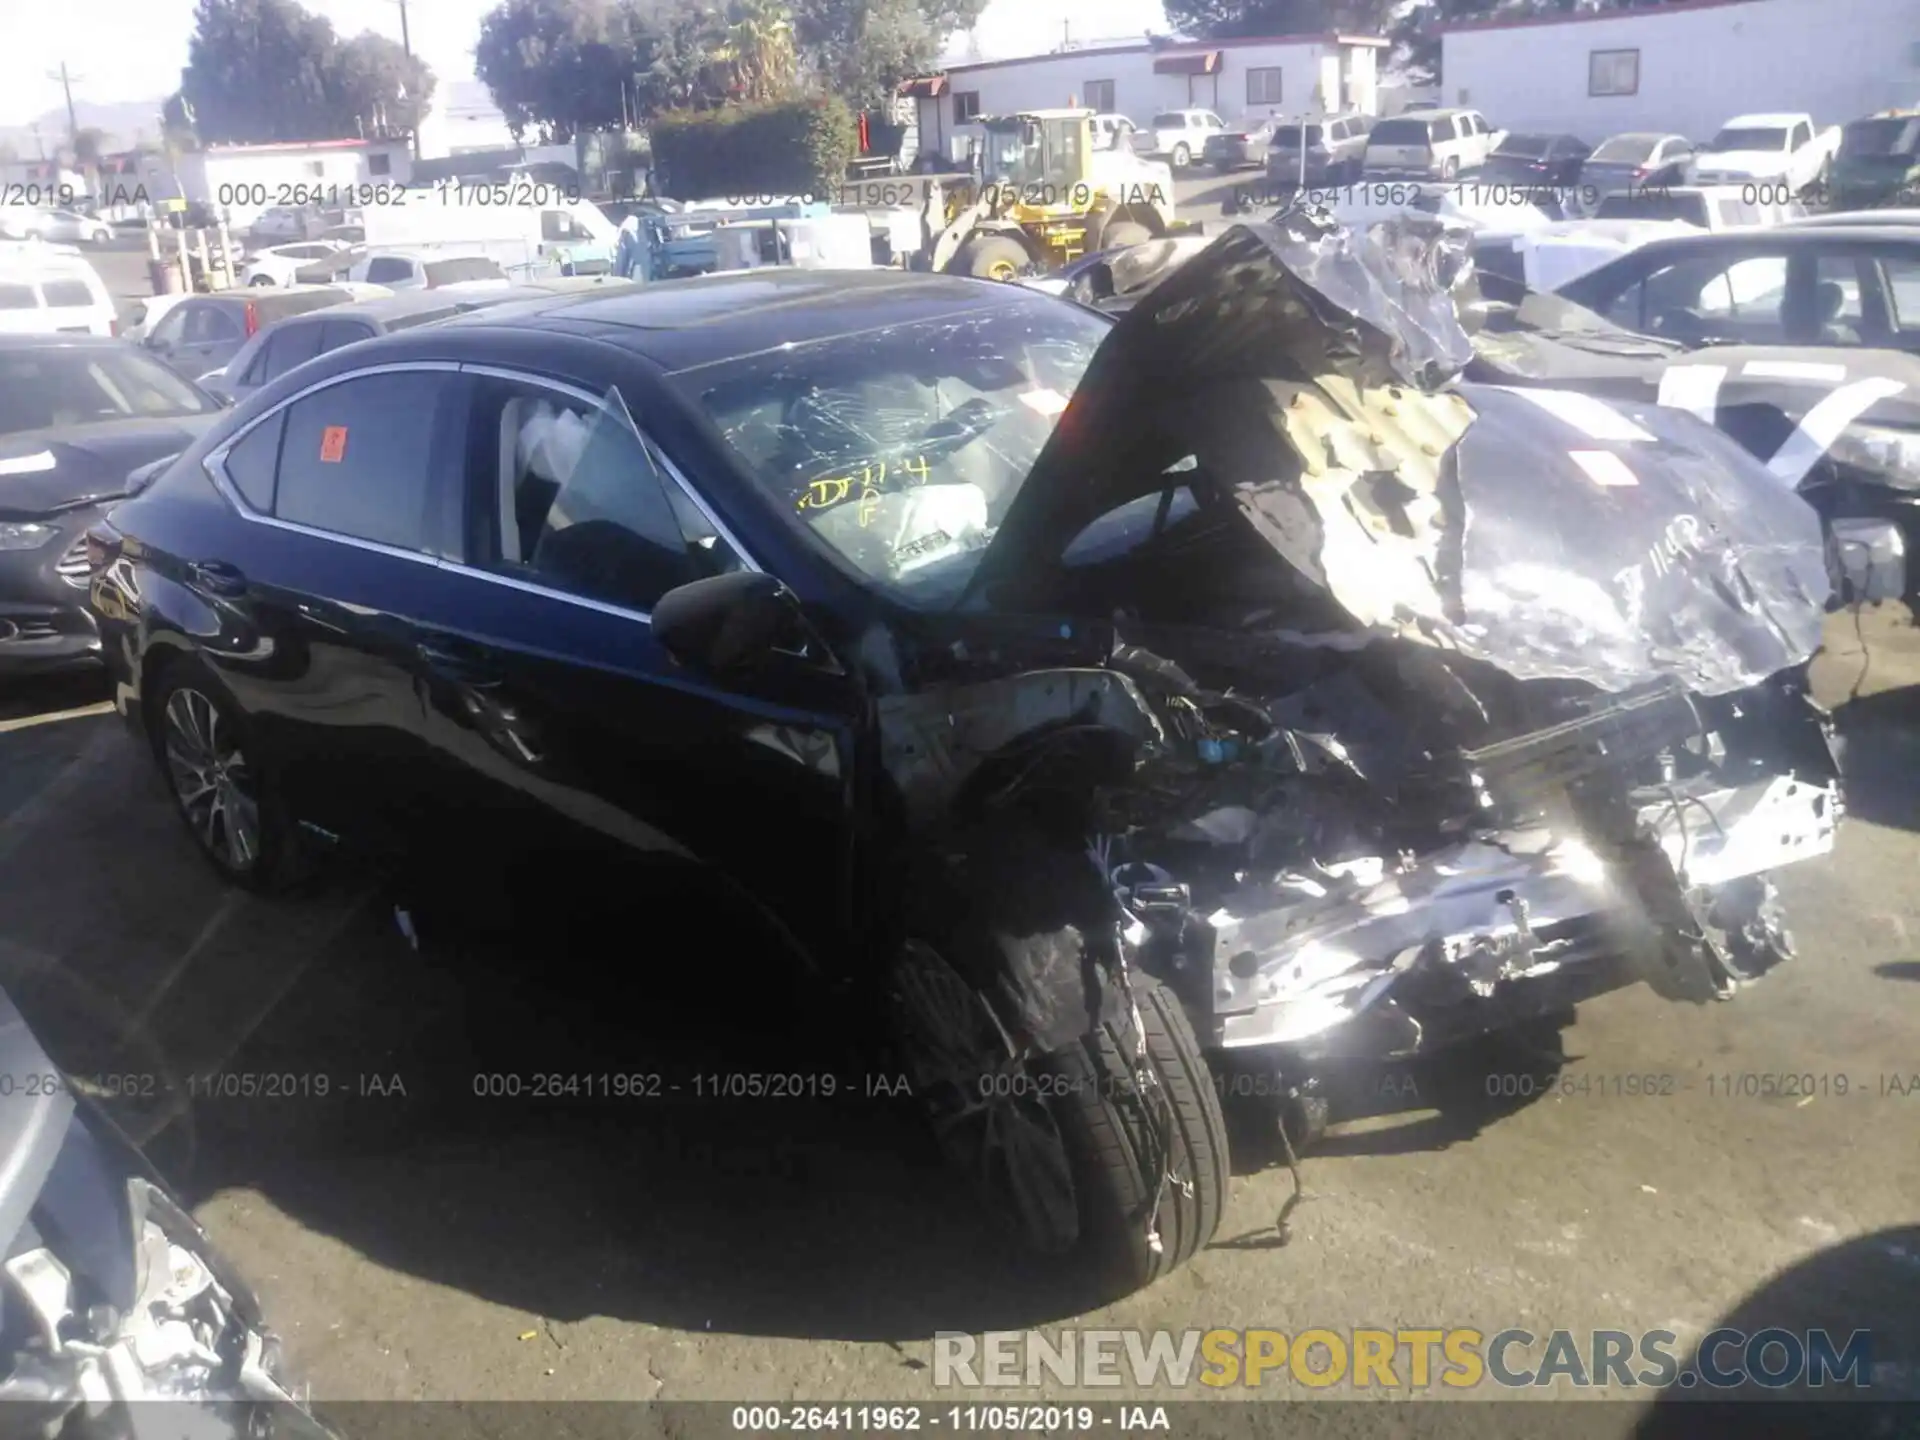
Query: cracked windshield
x=902, y=450
x=1026, y=717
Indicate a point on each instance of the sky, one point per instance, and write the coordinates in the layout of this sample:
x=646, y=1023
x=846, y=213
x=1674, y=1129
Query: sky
x=125, y=50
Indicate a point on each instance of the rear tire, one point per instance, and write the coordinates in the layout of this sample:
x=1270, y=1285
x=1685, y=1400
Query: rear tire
x=1182, y=157
x=261, y=280
x=991, y=257
x=232, y=809
x=1125, y=1156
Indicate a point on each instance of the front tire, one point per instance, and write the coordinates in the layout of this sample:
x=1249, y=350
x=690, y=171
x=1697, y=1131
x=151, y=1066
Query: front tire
x=261, y=280
x=1109, y=1148
x=991, y=257
x=230, y=806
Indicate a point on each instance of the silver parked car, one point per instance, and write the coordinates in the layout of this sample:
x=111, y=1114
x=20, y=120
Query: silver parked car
x=1335, y=145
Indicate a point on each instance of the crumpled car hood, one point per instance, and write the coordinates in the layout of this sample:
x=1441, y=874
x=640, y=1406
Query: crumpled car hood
x=1546, y=532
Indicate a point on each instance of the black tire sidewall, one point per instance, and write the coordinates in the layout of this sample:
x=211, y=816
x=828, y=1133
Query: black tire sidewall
x=1087, y=1073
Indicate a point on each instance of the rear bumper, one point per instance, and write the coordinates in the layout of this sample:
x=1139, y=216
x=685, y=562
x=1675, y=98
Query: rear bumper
x=1393, y=962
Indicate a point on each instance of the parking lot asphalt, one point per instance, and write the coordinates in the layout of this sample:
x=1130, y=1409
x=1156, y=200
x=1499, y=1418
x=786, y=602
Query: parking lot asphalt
x=414, y=1236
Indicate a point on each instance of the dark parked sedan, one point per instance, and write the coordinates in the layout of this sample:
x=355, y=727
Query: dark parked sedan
x=202, y=333
x=78, y=416
x=1638, y=160
x=1546, y=161
x=836, y=615
x=1240, y=147
x=272, y=353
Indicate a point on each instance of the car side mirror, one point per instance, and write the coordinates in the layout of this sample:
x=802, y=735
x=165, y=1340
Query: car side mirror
x=728, y=623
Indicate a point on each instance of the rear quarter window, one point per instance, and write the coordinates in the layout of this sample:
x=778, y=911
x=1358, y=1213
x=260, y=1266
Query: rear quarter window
x=19, y=297
x=62, y=294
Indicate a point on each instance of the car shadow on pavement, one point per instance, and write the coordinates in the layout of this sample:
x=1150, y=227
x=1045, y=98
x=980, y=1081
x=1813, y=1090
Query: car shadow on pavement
x=545, y=1106
x=1882, y=761
x=1865, y=1284
x=1898, y=970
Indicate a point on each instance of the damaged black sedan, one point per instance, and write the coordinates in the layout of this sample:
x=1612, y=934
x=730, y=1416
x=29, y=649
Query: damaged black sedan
x=1118, y=706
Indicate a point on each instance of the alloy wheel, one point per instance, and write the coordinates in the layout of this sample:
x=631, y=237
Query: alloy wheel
x=990, y=1112
x=211, y=779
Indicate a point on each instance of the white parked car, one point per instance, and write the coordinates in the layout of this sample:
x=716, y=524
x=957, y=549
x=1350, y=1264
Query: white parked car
x=62, y=227
x=1180, y=136
x=1781, y=148
x=278, y=264
x=1116, y=132
x=282, y=222
x=430, y=270
x=1706, y=207
x=52, y=290
x=1429, y=145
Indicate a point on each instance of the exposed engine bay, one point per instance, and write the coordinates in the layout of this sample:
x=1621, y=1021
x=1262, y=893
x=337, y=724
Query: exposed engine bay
x=1415, y=711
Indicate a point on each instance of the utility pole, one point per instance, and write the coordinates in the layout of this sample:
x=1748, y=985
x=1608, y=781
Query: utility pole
x=66, y=85
x=406, y=44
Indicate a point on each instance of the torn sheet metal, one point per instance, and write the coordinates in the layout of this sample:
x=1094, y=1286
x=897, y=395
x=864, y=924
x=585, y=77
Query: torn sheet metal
x=933, y=740
x=1294, y=301
x=1294, y=962
x=1704, y=569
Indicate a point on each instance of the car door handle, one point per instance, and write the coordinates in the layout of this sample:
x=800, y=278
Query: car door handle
x=217, y=577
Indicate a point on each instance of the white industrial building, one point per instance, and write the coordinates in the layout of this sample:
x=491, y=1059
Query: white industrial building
x=1685, y=66
x=244, y=180
x=1251, y=78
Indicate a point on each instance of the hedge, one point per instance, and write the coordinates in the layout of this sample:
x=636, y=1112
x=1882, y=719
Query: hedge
x=787, y=147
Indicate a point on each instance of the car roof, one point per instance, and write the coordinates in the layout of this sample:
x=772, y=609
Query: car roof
x=1793, y=235
x=382, y=309
x=1874, y=219
x=1772, y=117
x=1644, y=135
x=680, y=324
x=9, y=341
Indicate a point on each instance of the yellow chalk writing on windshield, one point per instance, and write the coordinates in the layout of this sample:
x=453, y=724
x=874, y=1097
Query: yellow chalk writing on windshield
x=868, y=483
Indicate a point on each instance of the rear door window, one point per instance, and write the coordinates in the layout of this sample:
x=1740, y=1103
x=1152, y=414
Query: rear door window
x=67, y=294
x=208, y=325
x=335, y=333
x=288, y=346
x=356, y=459
x=385, y=269
x=19, y=297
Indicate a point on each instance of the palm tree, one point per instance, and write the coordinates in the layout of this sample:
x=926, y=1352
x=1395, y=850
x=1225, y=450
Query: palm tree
x=756, y=50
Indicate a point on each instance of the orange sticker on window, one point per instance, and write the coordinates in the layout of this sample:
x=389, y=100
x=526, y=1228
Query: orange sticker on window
x=333, y=444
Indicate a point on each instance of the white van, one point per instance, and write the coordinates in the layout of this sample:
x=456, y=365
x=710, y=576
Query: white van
x=530, y=229
x=52, y=290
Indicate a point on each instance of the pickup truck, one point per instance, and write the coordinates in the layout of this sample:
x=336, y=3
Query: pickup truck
x=1782, y=149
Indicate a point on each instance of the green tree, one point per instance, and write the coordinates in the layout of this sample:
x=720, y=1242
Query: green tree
x=374, y=85
x=861, y=49
x=563, y=66
x=1230, y=19
x=265, y=70
x=755, y=51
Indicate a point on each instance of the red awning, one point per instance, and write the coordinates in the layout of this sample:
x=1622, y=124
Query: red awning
x=1204, y=62
x=927, y=87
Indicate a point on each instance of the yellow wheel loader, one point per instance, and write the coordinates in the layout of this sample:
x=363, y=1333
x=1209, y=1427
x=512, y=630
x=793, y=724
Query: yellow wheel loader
x=1045, y=196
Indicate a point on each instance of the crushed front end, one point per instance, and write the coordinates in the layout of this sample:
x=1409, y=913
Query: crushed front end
x=1448, y=705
